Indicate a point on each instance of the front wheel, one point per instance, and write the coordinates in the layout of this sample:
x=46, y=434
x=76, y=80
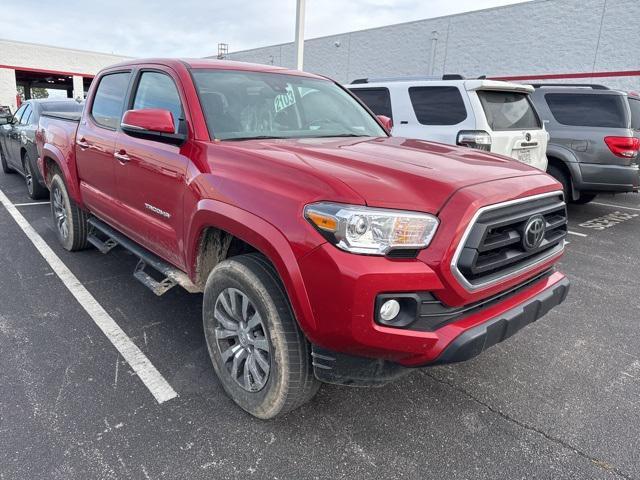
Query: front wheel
x=259, y=353
x=585, y=198
x=69, y=220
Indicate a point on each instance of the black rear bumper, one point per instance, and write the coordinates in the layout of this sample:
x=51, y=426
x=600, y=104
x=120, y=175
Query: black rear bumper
x=474, y=341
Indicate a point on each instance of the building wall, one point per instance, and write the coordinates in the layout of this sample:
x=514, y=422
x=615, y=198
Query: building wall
x=539, y=38
x=30, y=56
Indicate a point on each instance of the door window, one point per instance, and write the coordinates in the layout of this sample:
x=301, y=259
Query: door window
x=438, y=105
x=18, y=114
x=587, y=109
x=377, y=99
x=26, y=115
x=157, y=90
x=109, y=99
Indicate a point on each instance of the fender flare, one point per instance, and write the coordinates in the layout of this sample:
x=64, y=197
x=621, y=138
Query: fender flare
x=55, y=154
x=571, y=162
x=261, y=235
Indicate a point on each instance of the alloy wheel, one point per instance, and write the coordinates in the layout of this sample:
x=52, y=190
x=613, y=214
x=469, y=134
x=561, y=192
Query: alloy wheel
x=60, y=213
x=241, y=338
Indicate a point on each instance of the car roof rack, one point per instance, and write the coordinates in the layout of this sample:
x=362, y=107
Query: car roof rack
x=593, y=86
x=446, y=76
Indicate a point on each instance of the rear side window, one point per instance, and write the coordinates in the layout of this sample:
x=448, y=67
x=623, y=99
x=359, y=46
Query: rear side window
x=587, y=110
x=377, y=99
x=437, y=105
x=508, y=110
x=634, y=105
x=109, y=99
x=157, y=90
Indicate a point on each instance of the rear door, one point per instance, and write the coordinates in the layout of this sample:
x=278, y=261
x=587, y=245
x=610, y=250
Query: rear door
x=150, y=179
x=514, y=125
x=95, y=143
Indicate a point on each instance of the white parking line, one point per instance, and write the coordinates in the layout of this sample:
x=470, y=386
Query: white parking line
x=577, y=233
x=615, y=206
x=149, y=375
x=29, y=204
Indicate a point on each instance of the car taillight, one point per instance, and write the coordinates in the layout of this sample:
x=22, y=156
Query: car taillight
x=625, y=147
x=478, y=139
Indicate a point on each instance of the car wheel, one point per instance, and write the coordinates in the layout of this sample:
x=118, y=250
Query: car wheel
x=69, y=220
x=3, y=161
x=561, y=177
x=259, y=353
x=34, y=189
x=585, y=198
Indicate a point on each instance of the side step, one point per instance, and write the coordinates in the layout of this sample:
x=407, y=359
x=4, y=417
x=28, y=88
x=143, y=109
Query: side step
x=172, y=275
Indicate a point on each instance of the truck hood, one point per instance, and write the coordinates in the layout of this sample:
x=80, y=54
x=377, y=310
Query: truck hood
x=393, y=172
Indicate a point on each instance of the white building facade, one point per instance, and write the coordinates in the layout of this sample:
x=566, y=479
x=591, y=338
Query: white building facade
x=582, y=41
x=25, y=65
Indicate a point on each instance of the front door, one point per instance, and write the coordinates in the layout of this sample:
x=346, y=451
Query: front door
x=150, y=175
x=11, y=147
x=95, y=143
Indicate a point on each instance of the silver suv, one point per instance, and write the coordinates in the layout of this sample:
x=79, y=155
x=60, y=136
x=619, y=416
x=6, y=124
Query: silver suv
x=595, y=138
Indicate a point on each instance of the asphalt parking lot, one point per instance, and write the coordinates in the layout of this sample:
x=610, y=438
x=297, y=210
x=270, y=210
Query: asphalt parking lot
x=559, y=400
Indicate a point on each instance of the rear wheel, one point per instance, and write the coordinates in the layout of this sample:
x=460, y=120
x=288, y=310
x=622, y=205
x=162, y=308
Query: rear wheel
x=69, y=220
x=34, y=189
x=563, y=178
x=3, y=161
x=259, y=353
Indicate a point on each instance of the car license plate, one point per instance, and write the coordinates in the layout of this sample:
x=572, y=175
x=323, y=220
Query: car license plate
x=524, y=155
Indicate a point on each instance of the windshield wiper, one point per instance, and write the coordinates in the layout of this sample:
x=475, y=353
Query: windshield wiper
x=257, y=137
x=340, y=135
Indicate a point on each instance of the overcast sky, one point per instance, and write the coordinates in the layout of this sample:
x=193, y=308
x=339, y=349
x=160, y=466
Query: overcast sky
x=193, y=28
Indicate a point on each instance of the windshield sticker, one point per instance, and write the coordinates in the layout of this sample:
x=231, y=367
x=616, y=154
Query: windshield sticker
x=284, y=100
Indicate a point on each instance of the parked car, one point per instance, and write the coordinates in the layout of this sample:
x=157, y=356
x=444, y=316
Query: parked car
x=594, y=138
x=326, y=250
x=488, y=115
x=18, y=151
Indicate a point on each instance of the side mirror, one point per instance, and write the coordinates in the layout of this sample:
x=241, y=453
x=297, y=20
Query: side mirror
x=386, y=122
x=5, y=120
x=151, y=124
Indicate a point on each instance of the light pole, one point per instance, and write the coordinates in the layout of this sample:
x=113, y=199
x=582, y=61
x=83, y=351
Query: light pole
x=300, y=8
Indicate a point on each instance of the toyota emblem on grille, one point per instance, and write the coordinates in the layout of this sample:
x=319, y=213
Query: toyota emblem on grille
x=533, y=232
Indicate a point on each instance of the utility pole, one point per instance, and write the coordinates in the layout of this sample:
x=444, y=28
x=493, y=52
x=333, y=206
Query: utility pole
x=300, y=8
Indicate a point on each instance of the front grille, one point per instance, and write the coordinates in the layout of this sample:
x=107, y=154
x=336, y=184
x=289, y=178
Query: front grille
x=498, y=243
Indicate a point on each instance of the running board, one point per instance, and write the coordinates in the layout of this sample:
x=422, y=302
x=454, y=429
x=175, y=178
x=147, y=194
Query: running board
x=172, y=275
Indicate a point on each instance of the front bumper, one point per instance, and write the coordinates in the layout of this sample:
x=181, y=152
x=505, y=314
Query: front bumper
x=342, y=289
x=341, y=369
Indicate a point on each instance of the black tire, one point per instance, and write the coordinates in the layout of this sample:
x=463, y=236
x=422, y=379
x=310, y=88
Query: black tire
x=585, y=198
x=74, y=236
x=289, y=381
x=3, y=161
x=34, y=189
x=561, y=177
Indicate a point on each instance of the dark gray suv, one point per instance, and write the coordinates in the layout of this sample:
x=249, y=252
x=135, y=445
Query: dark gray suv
x=595, y=138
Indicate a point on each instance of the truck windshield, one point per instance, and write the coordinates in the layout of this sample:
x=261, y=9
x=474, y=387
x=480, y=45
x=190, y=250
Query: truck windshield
x=508, y=110
x=240, y=105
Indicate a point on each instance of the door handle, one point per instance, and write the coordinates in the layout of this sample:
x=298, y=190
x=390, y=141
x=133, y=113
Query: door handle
x=82, y=143
x=121, y=156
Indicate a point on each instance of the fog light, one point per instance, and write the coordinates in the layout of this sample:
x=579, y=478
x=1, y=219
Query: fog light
x=389, y=310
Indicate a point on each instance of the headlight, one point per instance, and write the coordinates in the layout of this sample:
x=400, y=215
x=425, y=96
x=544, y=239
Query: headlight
x=373, y=231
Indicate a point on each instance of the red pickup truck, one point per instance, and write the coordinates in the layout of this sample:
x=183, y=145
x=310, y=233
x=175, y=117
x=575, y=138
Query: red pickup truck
x=327, y=250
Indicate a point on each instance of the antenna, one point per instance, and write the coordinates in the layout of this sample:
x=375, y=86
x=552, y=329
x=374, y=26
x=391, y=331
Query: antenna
x=223, y=50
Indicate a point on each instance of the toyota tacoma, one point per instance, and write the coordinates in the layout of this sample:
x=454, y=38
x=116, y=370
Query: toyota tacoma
x=327, y=250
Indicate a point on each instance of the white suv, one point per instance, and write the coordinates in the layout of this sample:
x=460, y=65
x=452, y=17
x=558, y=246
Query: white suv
x=489, y=115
